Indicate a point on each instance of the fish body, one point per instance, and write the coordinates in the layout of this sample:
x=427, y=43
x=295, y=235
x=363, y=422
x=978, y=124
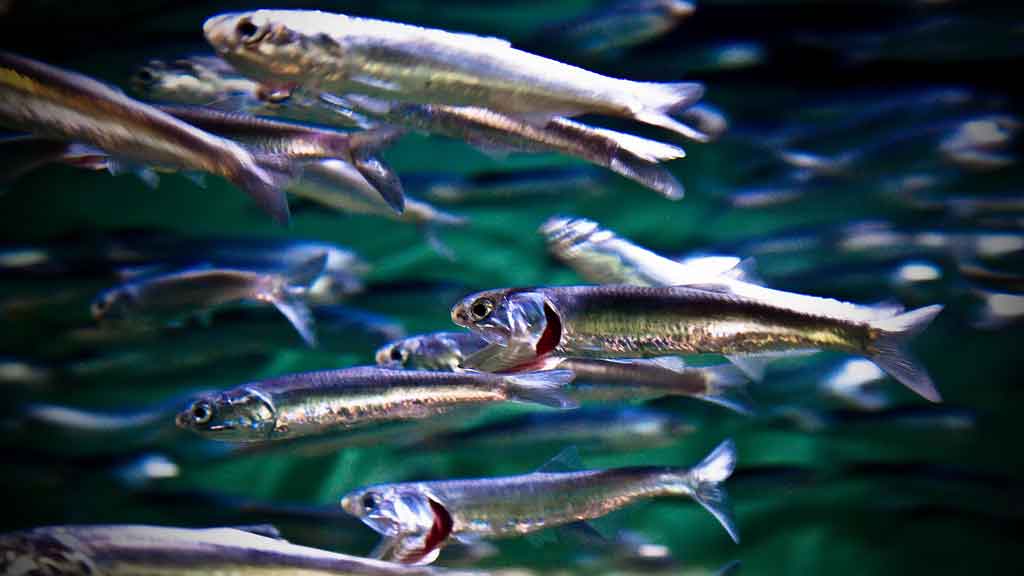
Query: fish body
x=619, y=321
x=417, y=518
x=132, y=550
x=339, y=54
x=176, y=295
x=54, y=103
x=314, y=402
x=509, y=186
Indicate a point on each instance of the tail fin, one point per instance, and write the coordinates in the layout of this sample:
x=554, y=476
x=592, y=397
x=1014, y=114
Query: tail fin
x=727, y=387
x=364, y=157
x=890, y=356
x=705, y=479
x=540, y=387
x=264, y=182
x=659, y=100
x=648, y=173
x=288, y=299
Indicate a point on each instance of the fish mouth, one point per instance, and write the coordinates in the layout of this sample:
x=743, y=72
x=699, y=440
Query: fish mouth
x=219, y=32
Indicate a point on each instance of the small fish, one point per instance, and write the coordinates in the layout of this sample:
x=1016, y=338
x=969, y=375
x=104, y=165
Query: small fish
x=632, y=321
x=627, y=155
x=931, y=418
x=315, y=402
x=855, y=383
x=621, y=429
x=176, y=295
x=417, y=519
x=63, y=105
x=596, y=380
x=987, y=278
x=130, y=550
x=300, y=142
x=997, y=309
x=618, y=25
x=77, y=430
x=512, y=185
x=338, y=54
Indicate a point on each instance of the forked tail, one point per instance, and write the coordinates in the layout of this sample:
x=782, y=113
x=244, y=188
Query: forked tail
x=705, y=481
x=889, y=353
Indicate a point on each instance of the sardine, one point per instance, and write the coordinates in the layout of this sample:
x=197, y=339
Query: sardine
x=63, y=105
x=173, y=296
x=630, y=322
x=417, y=519
x=597, y=380
x=627, y=155
x=315, y=402
x=339, y=54
x=131, y=550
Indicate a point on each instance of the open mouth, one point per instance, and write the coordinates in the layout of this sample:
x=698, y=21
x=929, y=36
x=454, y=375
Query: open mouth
x=552, y=334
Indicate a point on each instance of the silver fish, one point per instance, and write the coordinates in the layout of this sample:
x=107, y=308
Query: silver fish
x=619, y=25
x=131, y=550
x=596, y=379
x=59, y=104
x=512, y=185
x=631, y=321
x=315, y=402
x=173, y=296
x=417, y=519
x=339, y=54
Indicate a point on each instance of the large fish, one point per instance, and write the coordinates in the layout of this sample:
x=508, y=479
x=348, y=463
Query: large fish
x=315, y=402
x=417, y=519
x=339, y=54
x=63, y=105
x=619, y=321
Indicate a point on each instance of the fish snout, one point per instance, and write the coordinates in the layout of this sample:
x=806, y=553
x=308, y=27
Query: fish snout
x=220, y=31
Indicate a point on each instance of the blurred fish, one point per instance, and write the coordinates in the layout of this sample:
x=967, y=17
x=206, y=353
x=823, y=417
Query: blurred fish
x=615, y=429
x=485, y=187
x=166, y=297
x=339, y=186
x=403, y=62
x=117, y=550
x=18, y=375
x=927, y=418
x=417, y=519
x=631, y=321
x=211, y=82
x=627, y=155
x=596, y=380
x=315, y=402
x=616, y=26
x=983, y=143
x=962, y=207
x=855, y=382
x=54, y=103
x=997, y=310
x=991, y=279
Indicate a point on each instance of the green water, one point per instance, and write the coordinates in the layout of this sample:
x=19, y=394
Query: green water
x=923, y=523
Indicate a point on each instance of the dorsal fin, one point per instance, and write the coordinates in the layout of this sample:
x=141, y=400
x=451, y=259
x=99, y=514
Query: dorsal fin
x=568, y=460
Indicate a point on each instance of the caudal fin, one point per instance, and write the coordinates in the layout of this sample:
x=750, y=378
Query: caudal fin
x=288, y=298
x=264, y=182
x=889, y=353
x=650, y=174
x=541, y=387
x=660, y=100
x=705, y=480
x=727, y=387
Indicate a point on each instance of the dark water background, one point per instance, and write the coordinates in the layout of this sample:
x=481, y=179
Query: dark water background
x=946, y=504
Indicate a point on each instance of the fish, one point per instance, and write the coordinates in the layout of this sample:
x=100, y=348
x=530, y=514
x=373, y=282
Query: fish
x=130, y=550
x=927, y=418
x=618, y=429
x=417, y=519
x=596, y=380
x=54, y=103
x=484, y=187
x=314, y=402
x=618, y=25
x=300, y=142
x=172, y=296
x=621, y=321
x=627, y=155
x=339, y=54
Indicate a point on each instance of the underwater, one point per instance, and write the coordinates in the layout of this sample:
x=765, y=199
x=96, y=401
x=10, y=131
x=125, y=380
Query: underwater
x=512, y=288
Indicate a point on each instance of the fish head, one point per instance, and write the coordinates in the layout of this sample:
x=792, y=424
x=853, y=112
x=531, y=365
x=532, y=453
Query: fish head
x=393, y=510
x=269, y=45
x=115, y=304
x=505, y=317
x=438, y=351
x=236, y=416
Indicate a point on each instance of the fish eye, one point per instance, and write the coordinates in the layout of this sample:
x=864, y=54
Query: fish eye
x=145, y=76
x=481, y=308
x=398, y=354
x=248, y=32
x=201, y=412
x=369, y=502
